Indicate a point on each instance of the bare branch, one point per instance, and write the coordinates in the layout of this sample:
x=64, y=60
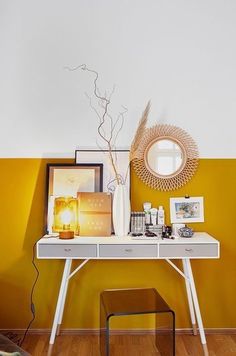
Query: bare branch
x=81, y=66
x=91, y=105
x=114, y=127
x=95, y=110
x=112, y=92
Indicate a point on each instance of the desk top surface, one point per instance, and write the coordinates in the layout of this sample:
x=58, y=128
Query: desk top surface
x=197, y=238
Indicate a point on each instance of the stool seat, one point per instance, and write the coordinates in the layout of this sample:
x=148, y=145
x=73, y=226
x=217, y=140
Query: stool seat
x=117, y=302
x=133, y=301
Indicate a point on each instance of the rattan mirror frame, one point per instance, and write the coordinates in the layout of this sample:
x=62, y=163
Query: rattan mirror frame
x=186, y=170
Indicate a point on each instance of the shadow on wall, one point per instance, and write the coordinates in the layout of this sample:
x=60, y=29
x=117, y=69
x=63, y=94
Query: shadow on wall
x=22, y=189
x=36, y=221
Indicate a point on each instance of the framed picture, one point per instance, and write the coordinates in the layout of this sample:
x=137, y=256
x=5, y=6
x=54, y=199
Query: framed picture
x=121, y=159
x=66, y=180
x=186, y=210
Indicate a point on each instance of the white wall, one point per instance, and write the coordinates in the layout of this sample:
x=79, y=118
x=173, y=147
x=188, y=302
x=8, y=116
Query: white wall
x=179, y=53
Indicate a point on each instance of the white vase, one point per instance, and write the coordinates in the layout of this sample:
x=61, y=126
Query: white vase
x=121, y=211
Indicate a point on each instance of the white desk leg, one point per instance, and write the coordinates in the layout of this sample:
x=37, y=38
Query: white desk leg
x=196, y=306
x=190, y=300
x=63, y=299
x=60, y=300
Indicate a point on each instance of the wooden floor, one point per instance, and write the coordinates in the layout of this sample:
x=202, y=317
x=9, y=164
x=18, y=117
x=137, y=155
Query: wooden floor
x=127, y=345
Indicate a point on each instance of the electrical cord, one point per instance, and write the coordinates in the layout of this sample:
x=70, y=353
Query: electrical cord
x=32, y=306
x=12, y=336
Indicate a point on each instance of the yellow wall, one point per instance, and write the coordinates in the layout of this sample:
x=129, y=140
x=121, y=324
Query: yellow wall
x=22, y=192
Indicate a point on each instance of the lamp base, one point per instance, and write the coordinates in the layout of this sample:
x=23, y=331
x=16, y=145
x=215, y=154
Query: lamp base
x=67, y=234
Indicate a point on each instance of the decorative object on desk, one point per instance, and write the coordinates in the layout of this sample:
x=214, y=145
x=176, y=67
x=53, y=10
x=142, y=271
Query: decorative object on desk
x=135, y=150
x=108, y=127
x=161, y=215
x=153, y=213
x=149, y=233
x=175, y=229
x=137, y=222
x=108, y=130
x=121, y=211
x=186, y=232
x=167, y=157
x=94, y=214
x=65, y=217
x=166, y=232
x=66, y=180
x=147, y=208
x=186, y=210
x=157, y=229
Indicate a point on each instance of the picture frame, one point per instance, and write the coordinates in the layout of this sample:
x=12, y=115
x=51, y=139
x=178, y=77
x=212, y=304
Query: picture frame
x=67, y=180
x=121, y=157
x=186, y=210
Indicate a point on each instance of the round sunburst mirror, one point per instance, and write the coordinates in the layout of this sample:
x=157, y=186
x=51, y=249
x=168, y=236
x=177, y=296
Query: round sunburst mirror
x=167, y=157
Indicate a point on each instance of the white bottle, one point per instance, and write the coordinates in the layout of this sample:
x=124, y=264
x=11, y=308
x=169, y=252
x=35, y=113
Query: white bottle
x=161, y=216
x=146, y=207
x=153, y=213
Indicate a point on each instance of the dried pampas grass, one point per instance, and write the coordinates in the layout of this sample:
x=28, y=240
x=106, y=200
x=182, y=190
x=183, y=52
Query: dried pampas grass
x=134, y=149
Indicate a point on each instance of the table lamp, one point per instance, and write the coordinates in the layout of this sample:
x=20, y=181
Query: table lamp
x=65, y=217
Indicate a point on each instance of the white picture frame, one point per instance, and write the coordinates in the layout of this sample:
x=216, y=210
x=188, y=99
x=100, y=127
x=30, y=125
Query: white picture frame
x=121, y=158
x=186, y=210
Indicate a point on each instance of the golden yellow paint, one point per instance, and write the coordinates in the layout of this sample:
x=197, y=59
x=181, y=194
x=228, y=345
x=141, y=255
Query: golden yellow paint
x=22, y=192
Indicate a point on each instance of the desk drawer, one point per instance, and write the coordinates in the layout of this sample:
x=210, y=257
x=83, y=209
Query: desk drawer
x=188, y=250
x=128, y=251
x=67, y=251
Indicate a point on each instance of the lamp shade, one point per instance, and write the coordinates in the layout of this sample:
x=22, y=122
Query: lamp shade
x=65, y=216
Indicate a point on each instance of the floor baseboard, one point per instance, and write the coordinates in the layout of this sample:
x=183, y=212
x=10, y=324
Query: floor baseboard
x=186, y=331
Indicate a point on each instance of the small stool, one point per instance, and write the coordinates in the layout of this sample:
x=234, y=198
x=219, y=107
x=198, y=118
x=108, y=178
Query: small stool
x=117, y=302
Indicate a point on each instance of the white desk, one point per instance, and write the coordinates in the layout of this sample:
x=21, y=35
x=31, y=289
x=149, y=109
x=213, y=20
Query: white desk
x=200, y=246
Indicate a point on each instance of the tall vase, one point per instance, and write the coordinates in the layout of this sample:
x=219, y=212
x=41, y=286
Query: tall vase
x=121, y=211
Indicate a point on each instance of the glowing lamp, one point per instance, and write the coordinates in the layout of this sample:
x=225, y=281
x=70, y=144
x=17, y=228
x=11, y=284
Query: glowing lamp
x=65, y=217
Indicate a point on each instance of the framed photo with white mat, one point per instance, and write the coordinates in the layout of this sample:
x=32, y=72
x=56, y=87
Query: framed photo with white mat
x=186, y=210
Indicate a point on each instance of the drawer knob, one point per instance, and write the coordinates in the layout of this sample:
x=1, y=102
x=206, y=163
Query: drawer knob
x=67, y=249
x=189, y=249
x=128, y=250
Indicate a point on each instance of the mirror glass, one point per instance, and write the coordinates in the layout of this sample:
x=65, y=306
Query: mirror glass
x=164, y=157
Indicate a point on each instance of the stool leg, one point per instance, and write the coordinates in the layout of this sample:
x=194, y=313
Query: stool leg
x=107, y=337
x=104, y=331
x=165, y=340
x=190, y=300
